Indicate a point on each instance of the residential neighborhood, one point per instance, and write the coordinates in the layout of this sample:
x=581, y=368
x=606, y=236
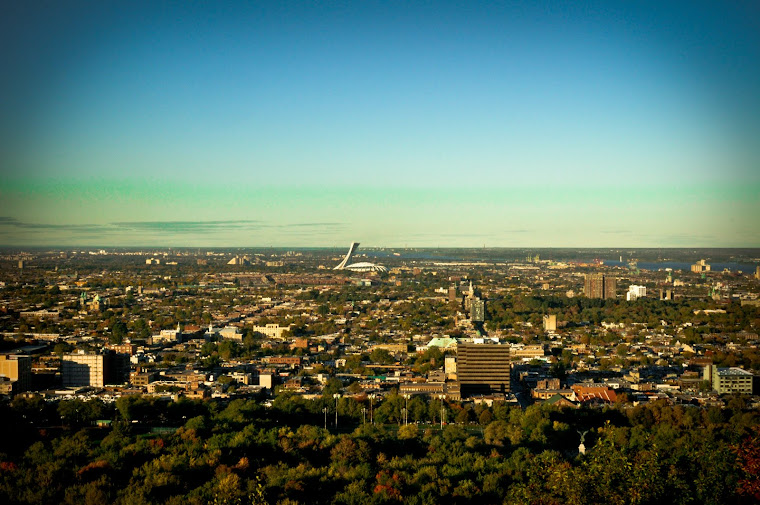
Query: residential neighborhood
x=196, y=324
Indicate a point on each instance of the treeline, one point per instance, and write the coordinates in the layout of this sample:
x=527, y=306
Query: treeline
x=506, y=311
x=242, y=452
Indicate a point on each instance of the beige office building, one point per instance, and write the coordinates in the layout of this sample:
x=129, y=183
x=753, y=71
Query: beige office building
x=271, y=330
x=550, y=322
x=18, y=369
x=731, y=380
x=82, y=369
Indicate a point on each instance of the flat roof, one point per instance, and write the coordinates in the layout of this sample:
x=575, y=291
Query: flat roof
x=733, y=371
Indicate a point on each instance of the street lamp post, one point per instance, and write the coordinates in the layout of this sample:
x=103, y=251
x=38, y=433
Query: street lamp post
x=443, y=412
x=364, y=415
x=406, y=408
x=325, y=411
x=371, y=410
x=336, y=396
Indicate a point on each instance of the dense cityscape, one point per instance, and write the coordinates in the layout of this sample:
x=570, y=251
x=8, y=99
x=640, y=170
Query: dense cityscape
x=380, y=252
x=259, y=376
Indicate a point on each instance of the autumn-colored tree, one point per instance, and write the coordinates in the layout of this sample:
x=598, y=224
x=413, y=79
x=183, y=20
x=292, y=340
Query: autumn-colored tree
x=748, y=460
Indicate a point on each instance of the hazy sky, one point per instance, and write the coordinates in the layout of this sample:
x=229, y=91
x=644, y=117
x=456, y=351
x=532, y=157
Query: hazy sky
x=578, y=124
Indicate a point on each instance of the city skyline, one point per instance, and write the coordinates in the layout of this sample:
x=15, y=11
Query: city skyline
x=392, y=124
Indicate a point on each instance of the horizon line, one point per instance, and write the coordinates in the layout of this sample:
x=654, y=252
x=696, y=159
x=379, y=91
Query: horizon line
x=369, y=247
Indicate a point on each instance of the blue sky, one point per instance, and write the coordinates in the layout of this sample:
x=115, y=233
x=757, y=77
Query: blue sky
x=390, y=123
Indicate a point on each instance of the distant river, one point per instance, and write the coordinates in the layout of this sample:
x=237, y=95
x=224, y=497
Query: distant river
x=413, y=255
x=422, y=255
x=677, y=265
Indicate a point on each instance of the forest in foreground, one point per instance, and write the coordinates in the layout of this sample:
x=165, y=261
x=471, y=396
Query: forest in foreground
x=149, y=451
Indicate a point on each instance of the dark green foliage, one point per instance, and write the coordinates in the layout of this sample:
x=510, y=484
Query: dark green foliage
x=241, y=452
x=118, y=332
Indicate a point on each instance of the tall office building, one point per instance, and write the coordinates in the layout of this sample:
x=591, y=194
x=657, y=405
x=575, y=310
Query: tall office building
x=550, y=322
x=600, y=286
x=666, y=294
x=478, y=310
x=18, y=369
x=96, y=370
x=483, y=369
x=453, y=293
x=82, y=369
x=118, y=368
x=450, y=365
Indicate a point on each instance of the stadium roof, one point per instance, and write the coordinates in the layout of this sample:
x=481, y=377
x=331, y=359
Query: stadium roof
x=365, y=267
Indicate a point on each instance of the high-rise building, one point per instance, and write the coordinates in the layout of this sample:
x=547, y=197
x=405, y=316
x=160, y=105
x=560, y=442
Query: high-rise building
x=600, y=286
x=478, y=310
x=96, y=370
x=18, y=369
x=594, y=286
x=450, y=365
x=453, y=293
x=635, y=292
x=80, y=369
x=483, y=369
x=118, y=368
x=266, y=380
x=610, y=287
x=550, y=322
